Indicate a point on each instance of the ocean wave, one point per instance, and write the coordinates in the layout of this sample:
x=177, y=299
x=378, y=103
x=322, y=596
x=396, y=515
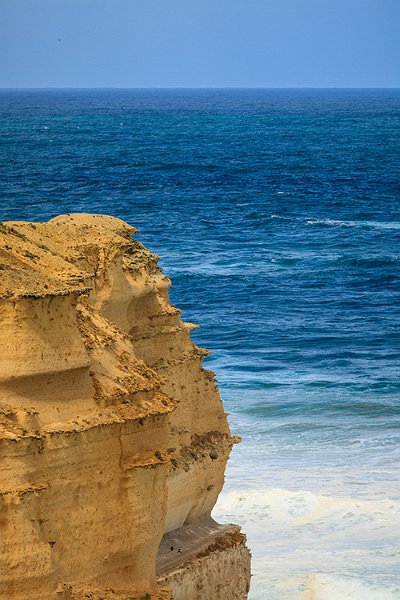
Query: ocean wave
x=370, y=224
x=331, y=587
x=331, y=406
x=329, y=222
x=310, y=546
x=370, y=262
x=287, y=508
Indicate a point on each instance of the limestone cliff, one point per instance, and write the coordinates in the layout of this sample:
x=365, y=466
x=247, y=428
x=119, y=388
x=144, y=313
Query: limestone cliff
x=113, y=438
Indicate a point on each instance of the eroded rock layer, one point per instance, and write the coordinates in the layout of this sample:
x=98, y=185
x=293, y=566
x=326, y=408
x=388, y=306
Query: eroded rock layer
x=113, y=438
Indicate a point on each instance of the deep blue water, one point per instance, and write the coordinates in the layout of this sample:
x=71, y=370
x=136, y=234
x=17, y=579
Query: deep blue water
x=277, y=216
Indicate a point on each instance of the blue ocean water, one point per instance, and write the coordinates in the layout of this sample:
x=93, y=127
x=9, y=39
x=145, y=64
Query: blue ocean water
x=277, y=216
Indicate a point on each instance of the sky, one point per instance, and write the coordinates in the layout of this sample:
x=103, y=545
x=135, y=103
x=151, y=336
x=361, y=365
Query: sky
x=199, y=43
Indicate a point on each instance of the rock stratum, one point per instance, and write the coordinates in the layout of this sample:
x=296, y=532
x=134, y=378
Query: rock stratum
x=113, y=438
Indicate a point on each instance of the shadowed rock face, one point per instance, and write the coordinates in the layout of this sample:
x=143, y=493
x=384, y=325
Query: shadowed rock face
x=113, y=438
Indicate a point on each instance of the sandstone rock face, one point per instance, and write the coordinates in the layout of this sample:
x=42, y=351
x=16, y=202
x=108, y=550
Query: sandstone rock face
x=113, y=438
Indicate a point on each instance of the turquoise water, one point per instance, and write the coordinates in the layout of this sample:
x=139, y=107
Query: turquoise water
x=277, y=215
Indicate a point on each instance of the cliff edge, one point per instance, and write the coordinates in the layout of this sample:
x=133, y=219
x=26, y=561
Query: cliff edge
x=113, y=438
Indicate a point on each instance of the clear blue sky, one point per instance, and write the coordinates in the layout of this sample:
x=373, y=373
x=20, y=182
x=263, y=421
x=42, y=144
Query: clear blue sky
x=199, y=43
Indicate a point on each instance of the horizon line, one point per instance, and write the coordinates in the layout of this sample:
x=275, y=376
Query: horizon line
x=20, y=88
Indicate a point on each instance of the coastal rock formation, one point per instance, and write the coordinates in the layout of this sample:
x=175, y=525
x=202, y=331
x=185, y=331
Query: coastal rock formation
x=113, y=438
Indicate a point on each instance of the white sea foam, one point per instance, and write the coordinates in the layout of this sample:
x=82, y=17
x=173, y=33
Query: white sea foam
x=308, y=546
x=331, y=222
x=388, y=225
x=372, y=224
x=329, y=587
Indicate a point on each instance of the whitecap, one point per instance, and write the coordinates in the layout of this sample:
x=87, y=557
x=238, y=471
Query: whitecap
x=372, y=224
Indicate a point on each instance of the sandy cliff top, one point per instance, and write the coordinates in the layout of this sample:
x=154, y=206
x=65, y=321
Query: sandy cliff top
x=57, y=257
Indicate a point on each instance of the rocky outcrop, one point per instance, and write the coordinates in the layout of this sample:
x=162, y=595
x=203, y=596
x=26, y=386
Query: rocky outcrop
x=113, y=438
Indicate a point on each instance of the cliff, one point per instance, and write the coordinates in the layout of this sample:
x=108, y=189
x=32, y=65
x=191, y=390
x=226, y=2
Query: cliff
x=113, y=438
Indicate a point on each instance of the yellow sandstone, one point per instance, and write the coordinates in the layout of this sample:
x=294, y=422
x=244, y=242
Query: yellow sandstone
x=113, y=438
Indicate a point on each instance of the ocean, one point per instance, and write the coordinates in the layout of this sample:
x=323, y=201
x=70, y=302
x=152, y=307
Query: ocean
x=277, y=215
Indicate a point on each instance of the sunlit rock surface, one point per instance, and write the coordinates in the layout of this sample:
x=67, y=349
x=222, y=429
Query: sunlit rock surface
x=113, y=438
